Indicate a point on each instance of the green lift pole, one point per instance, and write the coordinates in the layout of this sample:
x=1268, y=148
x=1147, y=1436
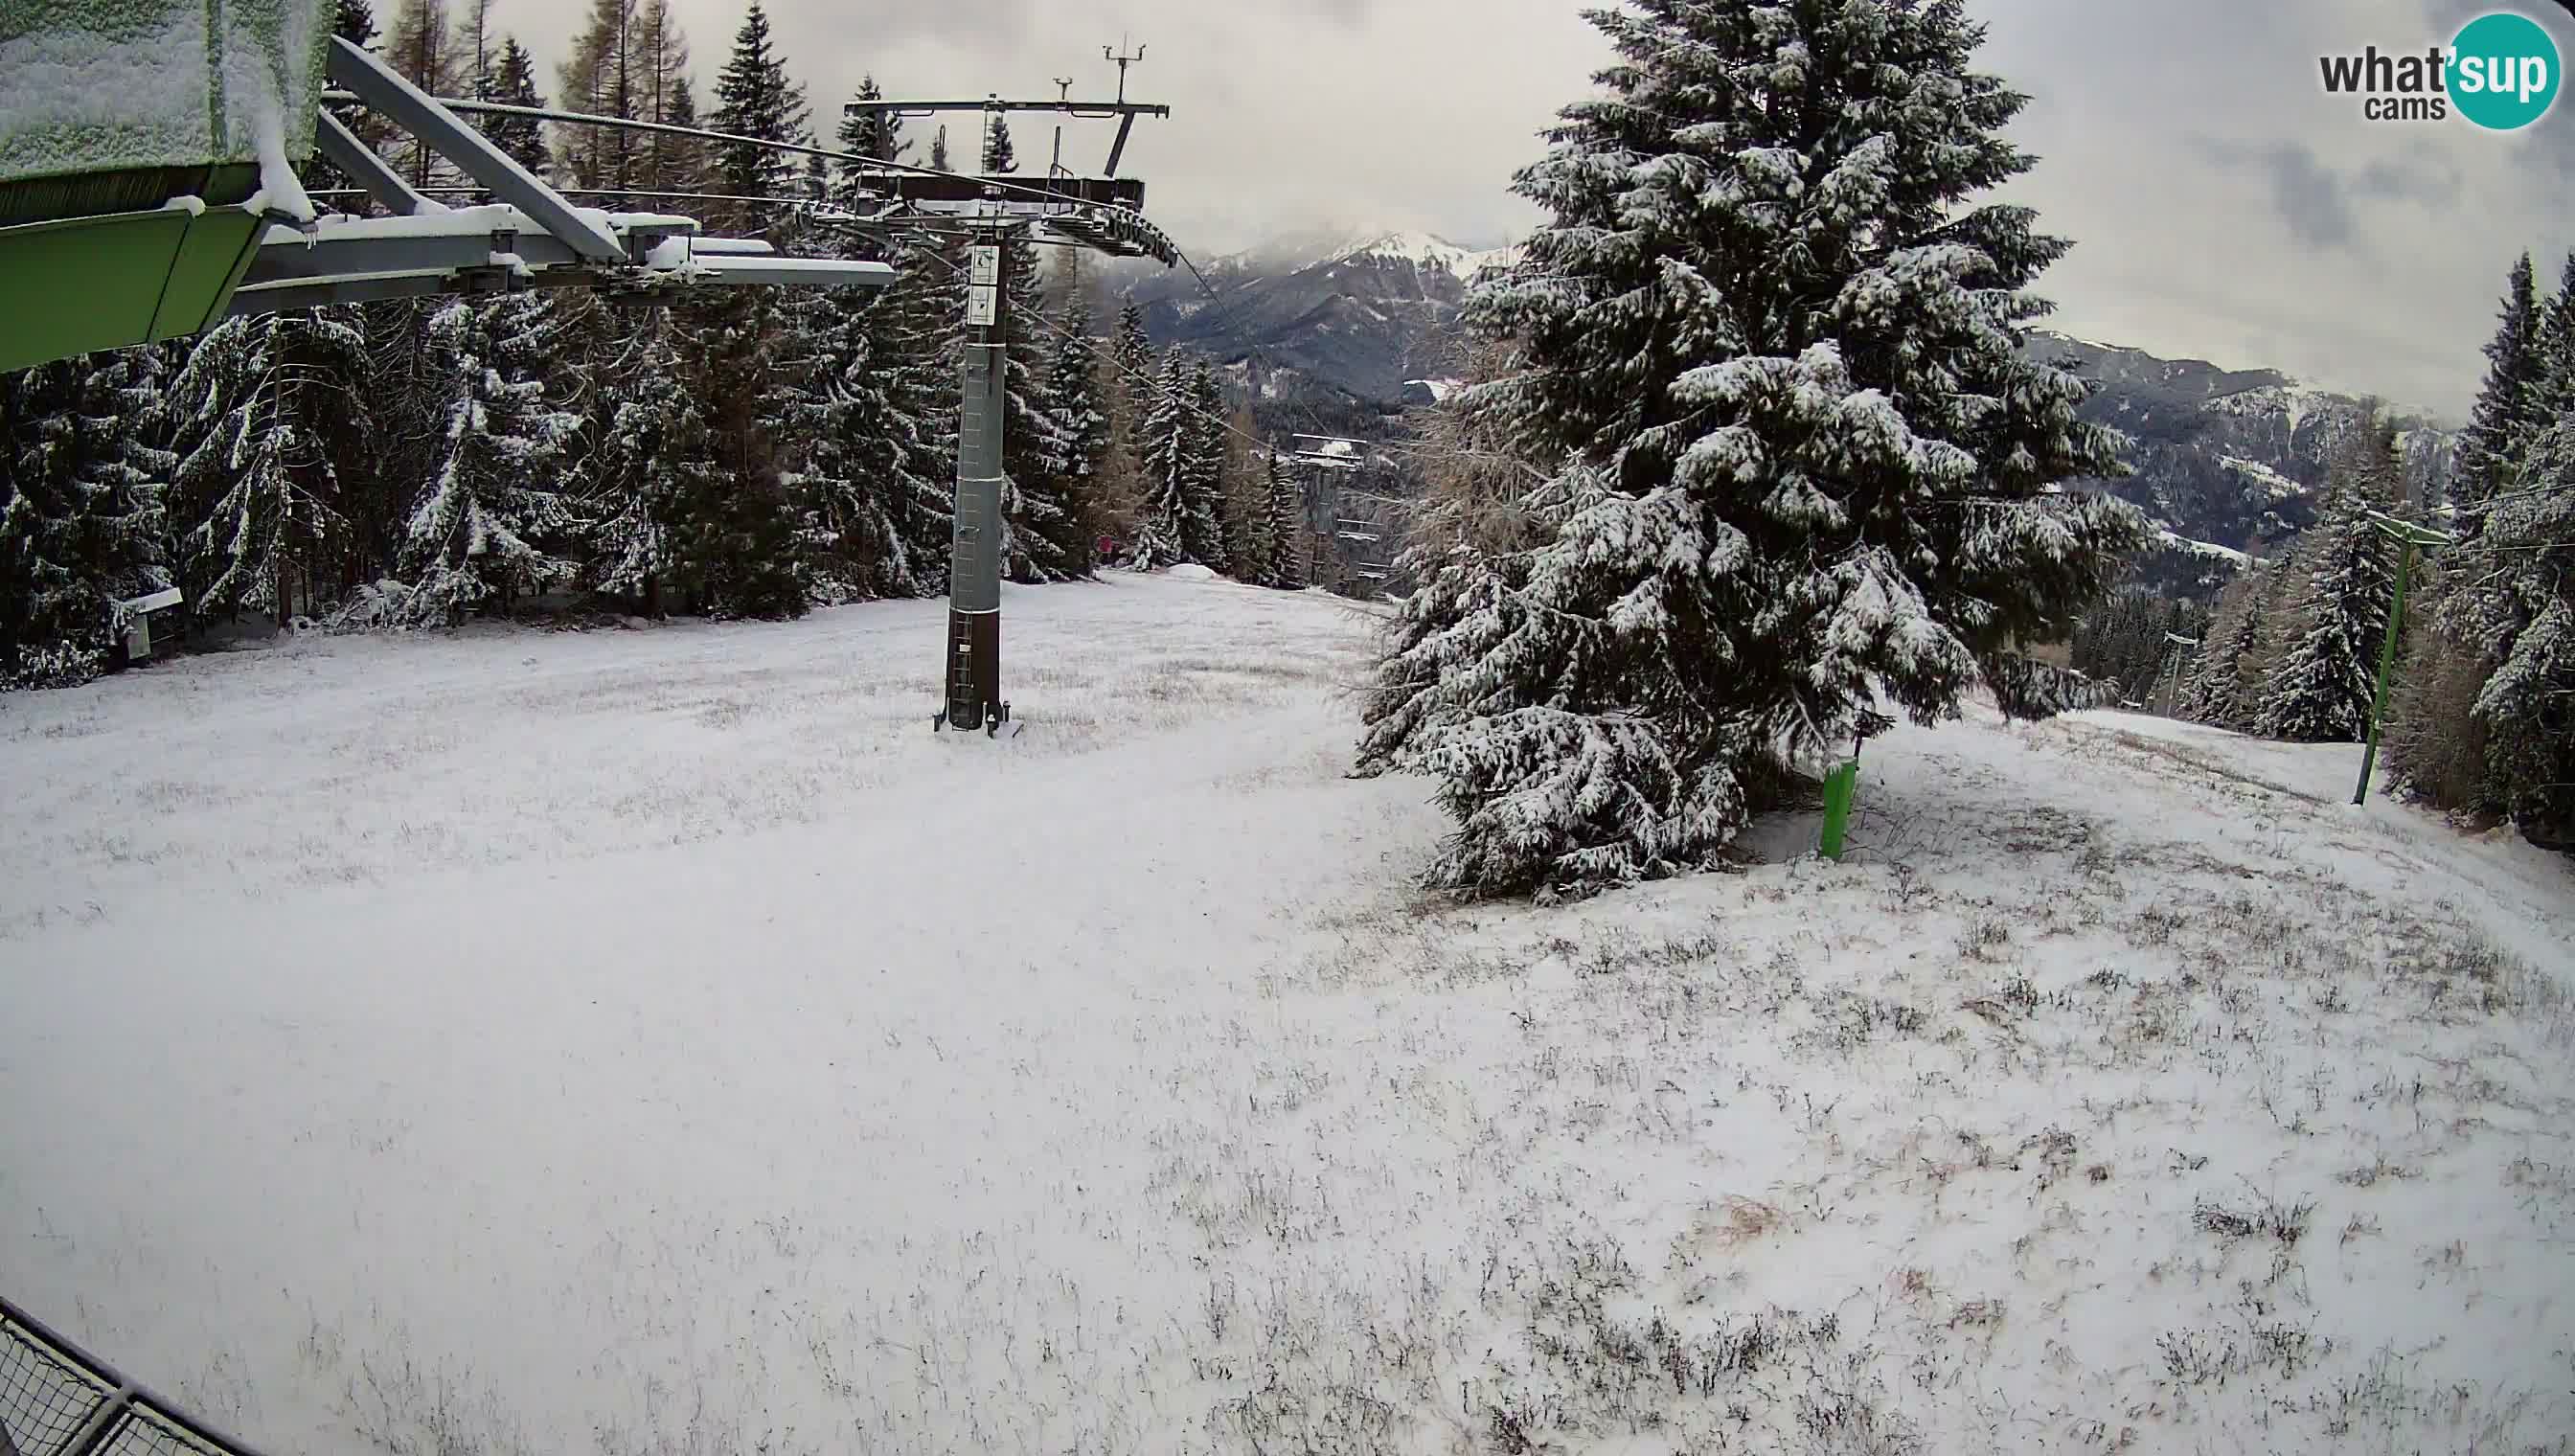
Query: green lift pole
x=1842, y=786
x=2407, y=537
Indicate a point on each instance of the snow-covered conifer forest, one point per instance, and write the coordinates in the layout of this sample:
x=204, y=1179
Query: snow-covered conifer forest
x=515, y=970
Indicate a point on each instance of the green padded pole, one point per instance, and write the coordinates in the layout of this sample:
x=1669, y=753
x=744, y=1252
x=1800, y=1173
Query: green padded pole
x=1839, y=787
x=2386, y=670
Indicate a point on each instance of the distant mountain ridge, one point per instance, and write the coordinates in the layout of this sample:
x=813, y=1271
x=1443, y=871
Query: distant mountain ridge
x=2228, y=462
x=1356, y=318
x=1345, y=331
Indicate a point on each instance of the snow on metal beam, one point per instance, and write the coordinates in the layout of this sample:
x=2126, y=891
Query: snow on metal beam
x=459, y=238
x=496, y=247
x=805, y=272
x=445, y=133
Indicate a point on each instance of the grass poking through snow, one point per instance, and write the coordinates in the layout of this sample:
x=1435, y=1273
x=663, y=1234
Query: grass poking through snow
x=659, y=1044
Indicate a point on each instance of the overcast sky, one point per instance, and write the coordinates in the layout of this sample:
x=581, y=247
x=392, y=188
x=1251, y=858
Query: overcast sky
x=2223, y=207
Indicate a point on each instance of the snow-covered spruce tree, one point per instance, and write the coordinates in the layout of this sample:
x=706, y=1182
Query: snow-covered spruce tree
x=1289, y=539
x=2435, y=745
x=654, y=453
x=2552, y=343
x=2523, y=560
x=2319, y=689
x=256, y=490
x=1131, y=367
x=907, y=466
x=1131, y=350
x=80, y=519
x=1165, y=437
x=491, y=524
x=2125, y=640
x=798, y=409
x=878, y=135
x=756, y=99
x=1203, y=440
x=2518, y=406
x=1044, y=518
x=920, y=323
x=1001, y=157
x=2220, y=689
x=734, y=535
x=1080, y=409
x=406, y=381
x=514, y=83
x=1242, y=499
x=1129, y=371
x=1796, y=459
x=2504, y=421
x=852, y=475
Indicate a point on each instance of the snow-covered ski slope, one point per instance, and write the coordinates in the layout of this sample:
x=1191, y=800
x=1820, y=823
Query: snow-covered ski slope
x=659, y=1041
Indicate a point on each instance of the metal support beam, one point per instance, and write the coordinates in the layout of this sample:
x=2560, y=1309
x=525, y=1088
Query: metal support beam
x=295, y=296
x=443, y=133
x=495, y=246
x=1086, y=110
x=1117, y=148
x=360, y=247
x=739, y=268
x=342, y=147
x=1100, y=213
x=959, y=188
x=731, y=247
x=878, y=175
x=289, y=294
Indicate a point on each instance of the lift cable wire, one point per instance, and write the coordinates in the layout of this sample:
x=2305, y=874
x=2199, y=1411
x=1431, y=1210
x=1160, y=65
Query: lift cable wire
x=917, y=224
x=664, y=128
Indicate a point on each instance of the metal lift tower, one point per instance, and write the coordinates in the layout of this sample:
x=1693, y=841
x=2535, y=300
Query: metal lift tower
x=1102, y=214
x=898, y=202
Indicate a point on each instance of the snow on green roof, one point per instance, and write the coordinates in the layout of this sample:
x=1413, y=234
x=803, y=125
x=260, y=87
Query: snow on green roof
x=93, y=86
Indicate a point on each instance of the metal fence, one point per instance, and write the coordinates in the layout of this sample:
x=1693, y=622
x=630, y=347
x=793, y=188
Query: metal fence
x=57, y=1399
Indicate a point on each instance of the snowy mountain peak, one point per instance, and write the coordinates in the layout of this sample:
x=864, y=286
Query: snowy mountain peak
x=1430, y=251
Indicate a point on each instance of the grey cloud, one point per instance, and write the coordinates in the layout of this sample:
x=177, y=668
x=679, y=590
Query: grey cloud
x=2312, y=200
x=2316, y=202
x=2425, y=177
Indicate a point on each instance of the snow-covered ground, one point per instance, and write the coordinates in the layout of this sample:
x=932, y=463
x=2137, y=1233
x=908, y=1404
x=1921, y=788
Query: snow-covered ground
x=2204, y=548
x=659, y=1041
